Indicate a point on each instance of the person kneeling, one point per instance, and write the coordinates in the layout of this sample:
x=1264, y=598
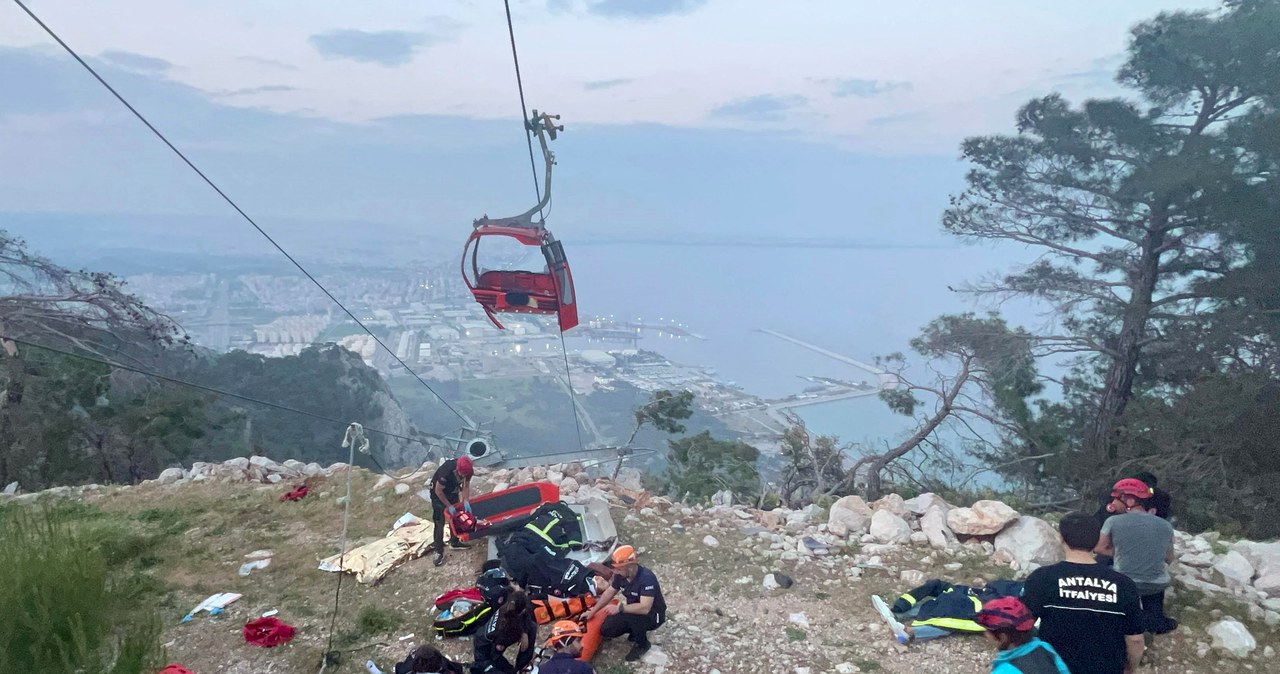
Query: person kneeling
x=1008, y=625
x=566, y=640
x=643, y=609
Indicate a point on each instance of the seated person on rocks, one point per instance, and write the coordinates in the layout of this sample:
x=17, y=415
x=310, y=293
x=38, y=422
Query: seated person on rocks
x=512, y=628
x=427, y=660
x=642, y=610
x=940, y=609
x=1009, y=626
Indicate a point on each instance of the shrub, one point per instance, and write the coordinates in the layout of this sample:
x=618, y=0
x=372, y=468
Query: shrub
x=67, y=609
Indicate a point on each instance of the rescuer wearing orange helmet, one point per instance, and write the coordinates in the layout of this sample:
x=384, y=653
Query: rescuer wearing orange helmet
x=566, y=640
x=642, y=610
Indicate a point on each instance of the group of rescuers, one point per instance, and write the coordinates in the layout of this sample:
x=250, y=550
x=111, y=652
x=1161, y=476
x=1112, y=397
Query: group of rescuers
x=1095, y=611
x=630, y=604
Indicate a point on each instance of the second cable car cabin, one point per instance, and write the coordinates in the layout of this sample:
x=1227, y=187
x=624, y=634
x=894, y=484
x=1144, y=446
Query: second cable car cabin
x=507, y=288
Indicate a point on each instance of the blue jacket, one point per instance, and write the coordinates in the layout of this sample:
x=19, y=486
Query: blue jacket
x=1033, y=657
x=563, y=663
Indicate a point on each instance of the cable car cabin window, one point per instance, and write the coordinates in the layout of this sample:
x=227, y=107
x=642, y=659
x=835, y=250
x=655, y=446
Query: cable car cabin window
x=559, y=265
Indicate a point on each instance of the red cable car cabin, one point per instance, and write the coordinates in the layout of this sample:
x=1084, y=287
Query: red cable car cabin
x=548, y=292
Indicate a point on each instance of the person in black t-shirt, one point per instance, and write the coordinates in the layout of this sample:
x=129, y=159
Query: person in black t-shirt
x=450, y=491
x=1089, y=613
x=643, y=609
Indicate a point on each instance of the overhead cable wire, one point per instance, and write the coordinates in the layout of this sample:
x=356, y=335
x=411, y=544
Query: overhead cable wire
x=533, y=166
x=236, y=206
x=524, y=110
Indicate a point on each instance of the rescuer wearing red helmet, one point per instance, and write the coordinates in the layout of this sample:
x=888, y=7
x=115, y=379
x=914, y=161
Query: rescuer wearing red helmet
x=1009, y=627
x=1142, y=545
x=450, y=492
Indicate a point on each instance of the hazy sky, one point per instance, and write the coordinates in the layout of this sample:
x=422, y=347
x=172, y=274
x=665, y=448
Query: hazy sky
x=683, y=115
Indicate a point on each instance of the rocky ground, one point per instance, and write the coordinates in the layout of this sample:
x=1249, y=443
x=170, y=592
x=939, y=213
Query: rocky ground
x=722, y=568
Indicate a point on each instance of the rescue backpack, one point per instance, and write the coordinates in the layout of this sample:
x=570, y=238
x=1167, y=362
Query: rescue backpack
x=462, y=616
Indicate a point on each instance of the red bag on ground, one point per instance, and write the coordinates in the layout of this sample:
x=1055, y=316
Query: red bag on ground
x=176, y=669
x=299, y=492
x=470, y=594
x=267, y=632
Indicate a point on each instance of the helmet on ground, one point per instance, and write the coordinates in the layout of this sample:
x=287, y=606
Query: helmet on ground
x=464, y=523
x=465, y=466
x=1131, y=487
x=564, y=630
x=1006, y=613
x=624, y=554
x=494, y=586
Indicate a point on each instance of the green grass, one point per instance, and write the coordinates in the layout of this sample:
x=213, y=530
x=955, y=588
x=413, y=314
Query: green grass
x=867, y=665
x=796, y=634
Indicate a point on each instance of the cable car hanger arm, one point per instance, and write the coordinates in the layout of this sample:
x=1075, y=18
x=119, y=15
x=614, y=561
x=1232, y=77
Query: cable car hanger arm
x=541, y=125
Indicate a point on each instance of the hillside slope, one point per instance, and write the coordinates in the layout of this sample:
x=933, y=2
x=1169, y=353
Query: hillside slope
x=186, y=535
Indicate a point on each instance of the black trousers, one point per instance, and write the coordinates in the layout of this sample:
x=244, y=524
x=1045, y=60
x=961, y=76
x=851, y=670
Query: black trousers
x=1153, y=618
x=636, y=626
x=437, y=518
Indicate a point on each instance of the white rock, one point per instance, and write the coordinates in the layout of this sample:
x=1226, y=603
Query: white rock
x=1201, y=560
x=1265, y=558
x=312, y=469
x=568, y=486
x=919, y=538
x=724, y=497
x=922, y=503
x=893, y=503
x=710, y=541
x=849, y=516
x=238, y=463
x=275, y=478
x=799, y=619
x=771, y=582
x=402, y=489
x=887, y=527
x=933, y=524
x=264, y=462
x=953, y=566
x=1271, y=618
x=845, y=668
x=383, y=481
x=655, y=657
x=912, y=577
x=167, y=476
x=1031, y=540
x=802, y=670
x=1235, y=568
x=1232, y=638
x=983, y=519
x=629, y=478
x=1268, y=652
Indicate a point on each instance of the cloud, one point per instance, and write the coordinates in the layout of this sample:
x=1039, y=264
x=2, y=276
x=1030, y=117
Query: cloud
x=895, y=118
x=386, y=47
x=630, y=9
x=267, y=62
x=596, y=85
x=860, y=88
x=133, y=61
x=762, y=108
x=264, y=89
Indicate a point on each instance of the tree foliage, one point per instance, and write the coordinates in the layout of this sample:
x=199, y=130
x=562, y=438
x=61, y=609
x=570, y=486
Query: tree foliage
x=701, y=465
x=1153, y=220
